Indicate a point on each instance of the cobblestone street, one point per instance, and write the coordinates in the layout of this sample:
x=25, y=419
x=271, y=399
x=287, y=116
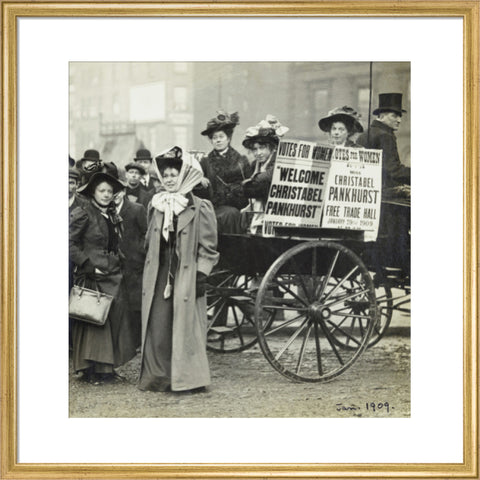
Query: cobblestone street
x=245, y=385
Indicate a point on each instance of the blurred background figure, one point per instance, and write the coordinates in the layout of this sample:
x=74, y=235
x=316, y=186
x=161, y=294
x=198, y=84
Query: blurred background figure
x=91, y=163
x=135, y=192
x=144, y=158
x=132, y=246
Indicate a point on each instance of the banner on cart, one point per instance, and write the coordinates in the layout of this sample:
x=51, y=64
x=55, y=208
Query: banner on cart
x=353, y=192
x=298, y=185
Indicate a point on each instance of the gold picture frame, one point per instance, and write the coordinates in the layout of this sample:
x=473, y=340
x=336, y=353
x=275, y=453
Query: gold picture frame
x=467, y=10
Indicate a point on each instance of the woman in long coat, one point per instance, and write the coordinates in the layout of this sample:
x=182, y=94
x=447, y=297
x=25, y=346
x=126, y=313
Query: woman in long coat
x=181, y=245
x=225, y=169
x=95, y=230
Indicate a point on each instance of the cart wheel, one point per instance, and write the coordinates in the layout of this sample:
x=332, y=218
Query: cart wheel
x=303, y=311
x=230, y=313
x=383, y=295
x=384, y=298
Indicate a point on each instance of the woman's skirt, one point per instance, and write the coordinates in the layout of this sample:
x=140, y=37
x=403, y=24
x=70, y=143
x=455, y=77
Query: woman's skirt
x=111, y=345
x=156, y=368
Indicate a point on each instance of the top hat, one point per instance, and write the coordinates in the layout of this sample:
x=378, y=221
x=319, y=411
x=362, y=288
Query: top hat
x=268, y=131
x=92, y=155
x=346, y=115
x=143, y=154
x=172, y=157
x=223, y=121
x=136, y=166
x=389, y=102
x=89, y=188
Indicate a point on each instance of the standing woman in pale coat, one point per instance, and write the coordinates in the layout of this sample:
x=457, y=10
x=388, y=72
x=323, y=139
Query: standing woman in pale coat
x=181, y=245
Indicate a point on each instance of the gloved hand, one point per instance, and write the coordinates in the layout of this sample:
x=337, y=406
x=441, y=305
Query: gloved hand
x=201, y=285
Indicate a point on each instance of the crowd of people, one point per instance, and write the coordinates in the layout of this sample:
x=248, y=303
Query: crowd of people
x=150, y=241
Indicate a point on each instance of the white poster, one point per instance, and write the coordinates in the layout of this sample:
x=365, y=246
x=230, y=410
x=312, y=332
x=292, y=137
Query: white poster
x=298, y=185
x=354, y=191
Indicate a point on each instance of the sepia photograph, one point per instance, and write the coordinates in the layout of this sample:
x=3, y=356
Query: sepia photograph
x=253, y=190
x=239, y=239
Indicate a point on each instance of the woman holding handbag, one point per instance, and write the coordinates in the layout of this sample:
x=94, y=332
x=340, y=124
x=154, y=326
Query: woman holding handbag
x=181, y=245
x=95, y=229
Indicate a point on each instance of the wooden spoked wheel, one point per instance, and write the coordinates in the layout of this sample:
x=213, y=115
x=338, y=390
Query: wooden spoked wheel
x=314, y=300
x=230, y=313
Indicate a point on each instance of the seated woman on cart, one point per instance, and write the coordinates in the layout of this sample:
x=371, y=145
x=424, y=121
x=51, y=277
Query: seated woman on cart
x=224, y=169
x=262, y=140
x=341, y=124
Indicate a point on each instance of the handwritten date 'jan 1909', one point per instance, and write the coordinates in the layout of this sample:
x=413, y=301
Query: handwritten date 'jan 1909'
x=371, y=407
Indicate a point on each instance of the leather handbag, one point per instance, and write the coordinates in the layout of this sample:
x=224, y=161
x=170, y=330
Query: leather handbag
x=90, y=306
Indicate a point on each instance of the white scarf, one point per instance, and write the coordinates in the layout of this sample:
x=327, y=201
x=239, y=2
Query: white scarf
x=174, y=203
x=170, y=204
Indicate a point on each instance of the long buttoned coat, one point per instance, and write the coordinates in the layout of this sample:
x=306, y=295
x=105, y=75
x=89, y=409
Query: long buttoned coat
x=196, y=244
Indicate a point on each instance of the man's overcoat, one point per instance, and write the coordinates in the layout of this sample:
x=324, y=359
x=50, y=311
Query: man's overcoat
x=381, y=136
x=196, y=244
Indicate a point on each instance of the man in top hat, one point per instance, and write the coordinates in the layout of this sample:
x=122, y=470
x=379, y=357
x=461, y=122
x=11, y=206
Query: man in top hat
x=144, y=159
x=135, y=192
x=381, y=135
x=395, y=218
x=91, y=163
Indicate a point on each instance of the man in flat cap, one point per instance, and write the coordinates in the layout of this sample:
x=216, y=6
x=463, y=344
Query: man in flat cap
x=136, y=193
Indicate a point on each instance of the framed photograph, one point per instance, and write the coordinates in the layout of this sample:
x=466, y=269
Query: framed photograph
x=373, y=381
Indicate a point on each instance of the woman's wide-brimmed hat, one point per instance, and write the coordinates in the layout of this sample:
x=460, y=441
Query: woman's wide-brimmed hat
x=143, y=154
x=172, y=157
x=389, y=102
x=89, y=188
x=91, y=155
x=223, y=121
x=136, y=166
x=346, y=115
x=267, y=131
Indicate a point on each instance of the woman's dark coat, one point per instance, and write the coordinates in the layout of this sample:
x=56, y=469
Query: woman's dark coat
x=226, y=174
x=113, y=344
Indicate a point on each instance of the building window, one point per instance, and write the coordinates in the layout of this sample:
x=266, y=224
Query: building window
x=320, y=100
x=180, y=99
